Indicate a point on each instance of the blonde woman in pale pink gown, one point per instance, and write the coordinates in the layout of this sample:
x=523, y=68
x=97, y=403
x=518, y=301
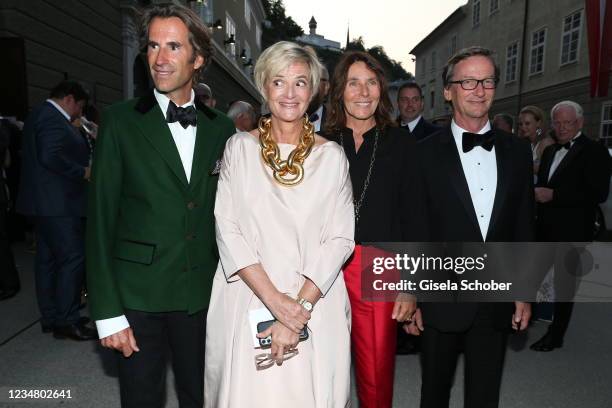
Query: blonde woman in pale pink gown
x=283, y=237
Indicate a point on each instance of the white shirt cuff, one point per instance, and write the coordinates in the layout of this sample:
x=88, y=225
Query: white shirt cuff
x=107, y=327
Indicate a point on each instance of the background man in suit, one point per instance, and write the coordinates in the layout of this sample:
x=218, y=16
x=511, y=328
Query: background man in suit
x=476, y=186
x=53, y=189
x=244, y=116
x=410, y=103
x=574, y=177
x=151, y=249
x=317, y=110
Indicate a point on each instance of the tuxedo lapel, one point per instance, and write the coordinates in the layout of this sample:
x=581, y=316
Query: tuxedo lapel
x=504, y=163
x=155, y=129
x=205, y=146
x=452, y=163
x=573, y=152
x=547, y=158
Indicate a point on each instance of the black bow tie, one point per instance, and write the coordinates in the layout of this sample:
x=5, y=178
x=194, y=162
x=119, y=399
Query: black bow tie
x=185, y=116
x=563, y=146
x=471, y=140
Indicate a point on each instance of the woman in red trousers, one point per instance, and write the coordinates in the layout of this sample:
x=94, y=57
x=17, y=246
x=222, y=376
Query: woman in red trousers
x=379, y=155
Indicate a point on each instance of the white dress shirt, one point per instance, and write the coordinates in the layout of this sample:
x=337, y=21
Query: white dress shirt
x=560, y=155
x=480, y=169
x=317, y=123
x=184, y=139
x=412, y=124
x=60, y=109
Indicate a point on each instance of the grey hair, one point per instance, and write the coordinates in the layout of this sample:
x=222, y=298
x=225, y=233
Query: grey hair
x=571, y=104
x=324, y=72
x=465, y=53
x=279, y=56
x=239, y=107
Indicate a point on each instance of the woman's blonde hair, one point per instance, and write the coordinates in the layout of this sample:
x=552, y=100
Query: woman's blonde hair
x=279, y=56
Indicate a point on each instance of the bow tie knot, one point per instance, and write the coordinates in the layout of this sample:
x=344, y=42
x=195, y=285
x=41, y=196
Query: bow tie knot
x=185, y=116
x=471, y=140
x=566, y=146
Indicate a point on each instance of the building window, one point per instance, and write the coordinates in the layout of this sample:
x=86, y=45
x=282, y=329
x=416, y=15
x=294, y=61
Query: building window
x=493, y=6
x=433, y=62
x=476, y=13
x=606, y=123
x=511, y=62
x=536, y=58
x=230, y=29
x=424, y=66
x=432, y=99
x=453, y=45
x=247, y=13
x=570, y=39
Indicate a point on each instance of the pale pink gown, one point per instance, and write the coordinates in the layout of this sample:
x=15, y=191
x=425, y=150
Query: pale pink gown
x=305, y=230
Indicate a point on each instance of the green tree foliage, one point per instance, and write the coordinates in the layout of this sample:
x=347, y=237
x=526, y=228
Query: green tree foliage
x=279, y=27
x=393, y=69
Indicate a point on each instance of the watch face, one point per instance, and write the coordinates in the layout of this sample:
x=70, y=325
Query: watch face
x=306, y=304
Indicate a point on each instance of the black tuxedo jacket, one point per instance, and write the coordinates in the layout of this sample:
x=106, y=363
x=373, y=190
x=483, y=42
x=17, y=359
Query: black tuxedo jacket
x=447, y=213
x=581, y=181
x=55, y=156
x=422, y=129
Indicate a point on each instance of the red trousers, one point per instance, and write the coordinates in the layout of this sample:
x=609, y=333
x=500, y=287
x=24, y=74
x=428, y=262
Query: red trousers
x=373, y=338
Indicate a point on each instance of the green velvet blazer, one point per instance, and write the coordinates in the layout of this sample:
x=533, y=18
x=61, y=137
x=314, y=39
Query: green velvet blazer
x=150, y=233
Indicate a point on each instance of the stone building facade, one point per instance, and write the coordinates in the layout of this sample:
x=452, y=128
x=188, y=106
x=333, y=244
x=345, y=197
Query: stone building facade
x=540, y=47
x=96, y=43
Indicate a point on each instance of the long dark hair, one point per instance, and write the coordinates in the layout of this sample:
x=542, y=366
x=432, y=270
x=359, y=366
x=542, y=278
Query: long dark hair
x=336, y=118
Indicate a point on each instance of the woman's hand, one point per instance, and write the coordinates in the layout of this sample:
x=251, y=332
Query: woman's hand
x=404, y=308
x=283, y=340
x=287, y=311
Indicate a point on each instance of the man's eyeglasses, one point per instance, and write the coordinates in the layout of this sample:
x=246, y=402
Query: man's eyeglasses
x=471, y=84
x=265, y=360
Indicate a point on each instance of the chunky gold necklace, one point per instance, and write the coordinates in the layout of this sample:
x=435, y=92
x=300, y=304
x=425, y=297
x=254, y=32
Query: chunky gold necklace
x=288, y=172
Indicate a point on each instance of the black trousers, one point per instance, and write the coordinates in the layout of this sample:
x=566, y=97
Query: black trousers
x=9, y=279
x=177, y=335
x=59, y=268
x=484, y=346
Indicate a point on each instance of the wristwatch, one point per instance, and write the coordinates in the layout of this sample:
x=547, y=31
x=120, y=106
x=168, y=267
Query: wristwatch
x=305, y=304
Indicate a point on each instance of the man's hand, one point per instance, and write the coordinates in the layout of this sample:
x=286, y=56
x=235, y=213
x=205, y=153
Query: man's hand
x=87, y=175
x=521, y=316
x=543, y=194
x=289, y=312
x=415, y=326
x=404, y=308
x=123, y=341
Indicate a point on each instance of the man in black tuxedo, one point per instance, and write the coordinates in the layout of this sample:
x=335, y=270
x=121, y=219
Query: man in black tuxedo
x=410, y=103
x=476, y=186
x=574, y=178
x=53, y=188
x=317, y=111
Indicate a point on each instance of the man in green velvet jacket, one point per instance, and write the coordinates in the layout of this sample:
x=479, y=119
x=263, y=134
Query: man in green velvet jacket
x=151, y=250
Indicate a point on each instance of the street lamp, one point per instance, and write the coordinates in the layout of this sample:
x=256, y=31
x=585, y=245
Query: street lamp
x=217, y=24
x=230, y=40
x=243, y=55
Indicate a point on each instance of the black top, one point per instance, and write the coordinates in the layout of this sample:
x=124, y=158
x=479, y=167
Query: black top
x=384, y=215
